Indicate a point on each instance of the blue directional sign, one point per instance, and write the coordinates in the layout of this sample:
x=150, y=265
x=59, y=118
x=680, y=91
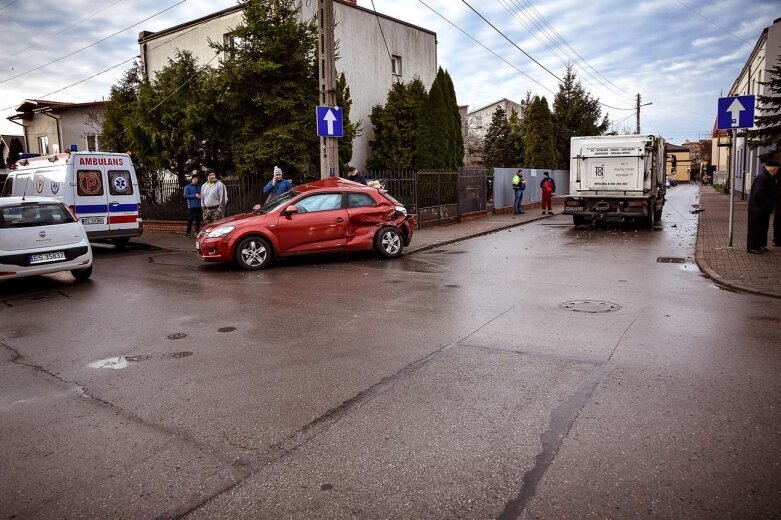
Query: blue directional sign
x=736, y=112
x=330, y=122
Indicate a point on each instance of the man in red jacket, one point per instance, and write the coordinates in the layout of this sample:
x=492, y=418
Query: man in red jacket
x=548, y=187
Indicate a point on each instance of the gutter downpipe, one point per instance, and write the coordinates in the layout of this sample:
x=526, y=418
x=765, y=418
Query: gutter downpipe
x=59, y=129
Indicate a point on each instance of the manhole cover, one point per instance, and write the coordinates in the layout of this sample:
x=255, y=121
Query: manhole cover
x=226, y=329
x=177, y=335
x=590, y=306
x=671, y=260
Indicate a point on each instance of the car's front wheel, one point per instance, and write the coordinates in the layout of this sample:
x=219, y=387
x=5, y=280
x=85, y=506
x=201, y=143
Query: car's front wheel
x=82, y=274
x=253, y=253
x=389, y=242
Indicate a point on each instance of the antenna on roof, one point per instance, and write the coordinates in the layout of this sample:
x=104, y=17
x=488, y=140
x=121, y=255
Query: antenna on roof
x=24, y=194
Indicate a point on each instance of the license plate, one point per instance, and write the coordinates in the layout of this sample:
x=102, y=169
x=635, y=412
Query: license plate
x=47, y=257
x=92, y=220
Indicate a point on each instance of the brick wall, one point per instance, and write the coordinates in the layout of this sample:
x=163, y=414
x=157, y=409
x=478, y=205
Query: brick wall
x=169, y=226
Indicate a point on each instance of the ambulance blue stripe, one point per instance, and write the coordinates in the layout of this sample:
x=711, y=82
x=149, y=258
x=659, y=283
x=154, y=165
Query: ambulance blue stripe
x=92, y=208
x=103, y=208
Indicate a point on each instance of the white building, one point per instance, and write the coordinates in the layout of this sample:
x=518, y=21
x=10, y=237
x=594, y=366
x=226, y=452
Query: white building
x=364, y=57
x=52, y=126
x=745, y=161
x=477, y=125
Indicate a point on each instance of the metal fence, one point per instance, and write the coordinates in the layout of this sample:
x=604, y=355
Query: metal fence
x=163, y=199
x=436, y=197
x=503, y=186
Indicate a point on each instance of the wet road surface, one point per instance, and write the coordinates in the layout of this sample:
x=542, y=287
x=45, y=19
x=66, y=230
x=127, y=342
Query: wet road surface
x=545, y=371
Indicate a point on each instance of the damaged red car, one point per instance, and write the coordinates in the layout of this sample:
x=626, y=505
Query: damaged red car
x=326, y=216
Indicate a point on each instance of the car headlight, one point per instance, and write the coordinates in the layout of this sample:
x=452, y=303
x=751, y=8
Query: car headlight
x=220, y=232
x=402, y=210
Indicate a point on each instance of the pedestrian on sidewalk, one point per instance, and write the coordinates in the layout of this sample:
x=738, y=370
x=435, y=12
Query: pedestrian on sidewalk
x=353, y=175
x=777, y=211
x=760, y=205
x=214, y=198
x=277, y=185
x=548, y=187
x=519, y=185
x=192, y=194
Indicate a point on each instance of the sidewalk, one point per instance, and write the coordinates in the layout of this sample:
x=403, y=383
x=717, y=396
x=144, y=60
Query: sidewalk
x=422, y=240
x=732, y=266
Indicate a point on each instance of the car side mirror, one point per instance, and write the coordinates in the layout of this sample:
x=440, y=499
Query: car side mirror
x=291, y=210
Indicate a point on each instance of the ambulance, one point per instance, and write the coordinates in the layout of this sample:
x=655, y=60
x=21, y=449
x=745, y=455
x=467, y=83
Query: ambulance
x=100, y=188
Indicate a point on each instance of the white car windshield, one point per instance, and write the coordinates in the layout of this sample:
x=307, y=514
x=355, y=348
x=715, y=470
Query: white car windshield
x=34, y=214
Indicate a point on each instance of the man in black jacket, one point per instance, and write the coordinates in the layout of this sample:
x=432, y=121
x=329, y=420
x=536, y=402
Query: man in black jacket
x=760, y=205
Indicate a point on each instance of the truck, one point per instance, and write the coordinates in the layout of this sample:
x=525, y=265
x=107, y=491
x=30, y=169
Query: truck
x=617, y=178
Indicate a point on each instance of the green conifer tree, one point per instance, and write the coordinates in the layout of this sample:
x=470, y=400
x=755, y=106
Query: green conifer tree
x=538, y=138
x=768, y=123
x=497, y=139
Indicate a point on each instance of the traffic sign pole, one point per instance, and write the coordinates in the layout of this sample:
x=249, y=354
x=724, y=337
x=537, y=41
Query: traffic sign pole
x=732, y=187
x=329, y=146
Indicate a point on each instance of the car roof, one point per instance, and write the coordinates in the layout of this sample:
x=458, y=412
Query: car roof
x=333, y=182
x=15, y=201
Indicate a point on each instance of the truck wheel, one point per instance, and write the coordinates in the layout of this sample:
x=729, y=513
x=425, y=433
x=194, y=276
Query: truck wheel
x=121, y=243
x=579, y=220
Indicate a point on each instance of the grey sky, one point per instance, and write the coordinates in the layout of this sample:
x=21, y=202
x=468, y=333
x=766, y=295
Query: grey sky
x=659, y=48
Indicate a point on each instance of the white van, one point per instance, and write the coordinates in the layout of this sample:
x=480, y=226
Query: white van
x=100, y=188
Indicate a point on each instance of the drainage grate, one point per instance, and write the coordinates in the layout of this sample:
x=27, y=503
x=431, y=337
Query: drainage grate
x=590, y=306
x=671, y=260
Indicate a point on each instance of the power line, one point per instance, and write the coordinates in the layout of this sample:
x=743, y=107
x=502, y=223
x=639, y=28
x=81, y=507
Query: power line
x=8, y=4
x=512, y=42
x=555, y=32
x=485, y=47
x=91, y=44
x=381, y=31
x=38, y=42
x=42, y=96
x=556, y=47
x=527, y=54
x=715, y=24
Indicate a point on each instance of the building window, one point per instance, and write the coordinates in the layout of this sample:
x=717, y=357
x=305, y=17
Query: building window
x=43, y=145
x=396, y=65
x=92, y=143
x=231, y=41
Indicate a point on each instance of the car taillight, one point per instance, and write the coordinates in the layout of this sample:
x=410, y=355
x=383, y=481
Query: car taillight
x=139, y=210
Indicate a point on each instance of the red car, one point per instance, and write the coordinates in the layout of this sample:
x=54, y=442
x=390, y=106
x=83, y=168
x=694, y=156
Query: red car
x=329, y=215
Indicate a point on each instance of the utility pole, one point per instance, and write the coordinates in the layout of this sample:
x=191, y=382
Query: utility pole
x=329, y=146
x=638, y=111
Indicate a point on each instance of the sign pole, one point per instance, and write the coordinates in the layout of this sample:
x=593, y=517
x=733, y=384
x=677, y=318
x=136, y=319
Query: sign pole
x=734, y=164
x=329, y=146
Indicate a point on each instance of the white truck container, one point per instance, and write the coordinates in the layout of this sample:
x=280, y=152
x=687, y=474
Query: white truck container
x=100, y=188
x=616, y=178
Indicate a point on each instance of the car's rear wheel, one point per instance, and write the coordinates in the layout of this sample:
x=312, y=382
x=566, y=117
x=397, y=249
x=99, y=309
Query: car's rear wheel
x=82, y=274
x=253, y=253
x=389, y=242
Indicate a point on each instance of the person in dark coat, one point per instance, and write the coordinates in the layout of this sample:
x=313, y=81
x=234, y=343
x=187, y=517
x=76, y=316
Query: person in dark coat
x=777, y=212
x=353, y=175
x=760, y=205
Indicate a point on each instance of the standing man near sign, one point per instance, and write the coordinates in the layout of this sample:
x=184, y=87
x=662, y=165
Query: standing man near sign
x=214, y=198
x=760, y=204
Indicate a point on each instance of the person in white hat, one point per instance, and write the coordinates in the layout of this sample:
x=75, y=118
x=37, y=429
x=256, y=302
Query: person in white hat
x=277, y=185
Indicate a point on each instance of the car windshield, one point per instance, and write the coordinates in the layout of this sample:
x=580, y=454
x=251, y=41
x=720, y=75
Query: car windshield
x=276, y=202
x=29, y=215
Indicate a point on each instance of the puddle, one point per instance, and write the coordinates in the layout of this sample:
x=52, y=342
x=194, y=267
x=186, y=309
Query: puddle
x=116, y=363
x=177, y=355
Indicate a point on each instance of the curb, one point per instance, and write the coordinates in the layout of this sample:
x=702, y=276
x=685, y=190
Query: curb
x=716, y=277
x=475, y=235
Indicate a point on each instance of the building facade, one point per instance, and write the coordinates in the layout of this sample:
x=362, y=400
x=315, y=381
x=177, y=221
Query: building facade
x=745, y=161
x=679, y=159
x=363, y=56
x=52, y=127
x=478, y=122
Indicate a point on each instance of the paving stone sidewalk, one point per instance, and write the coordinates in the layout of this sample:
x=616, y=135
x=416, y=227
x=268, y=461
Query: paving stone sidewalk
x=733, y=266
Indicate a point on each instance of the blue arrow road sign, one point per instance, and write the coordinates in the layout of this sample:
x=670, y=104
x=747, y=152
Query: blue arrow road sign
x=736, y=112
x=330, y=122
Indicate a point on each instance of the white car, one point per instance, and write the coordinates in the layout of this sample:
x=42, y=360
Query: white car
x=39, y=235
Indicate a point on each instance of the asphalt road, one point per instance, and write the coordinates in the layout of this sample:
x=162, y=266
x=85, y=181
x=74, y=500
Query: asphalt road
x=461, y=382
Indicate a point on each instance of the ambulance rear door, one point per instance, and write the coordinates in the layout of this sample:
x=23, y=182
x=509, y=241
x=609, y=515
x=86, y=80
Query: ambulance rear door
x=122, y=200
x=91, y=197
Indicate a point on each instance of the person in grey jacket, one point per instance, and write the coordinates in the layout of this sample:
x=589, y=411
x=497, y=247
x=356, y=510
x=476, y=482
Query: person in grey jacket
x=214, y=197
